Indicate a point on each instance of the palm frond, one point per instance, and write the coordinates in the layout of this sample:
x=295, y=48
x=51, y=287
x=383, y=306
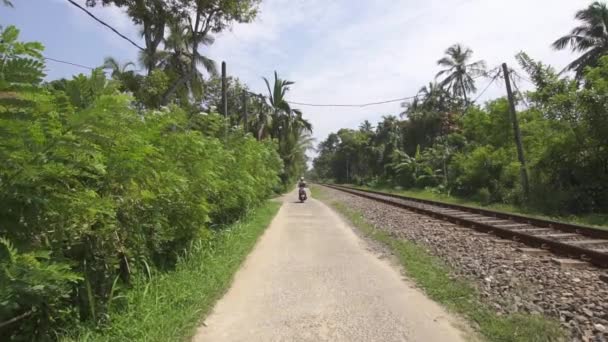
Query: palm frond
x=207, y=63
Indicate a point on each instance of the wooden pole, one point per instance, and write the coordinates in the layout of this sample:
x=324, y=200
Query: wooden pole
x=517, y=133
x=245, y=114
x=225, y=100
x=224, y=96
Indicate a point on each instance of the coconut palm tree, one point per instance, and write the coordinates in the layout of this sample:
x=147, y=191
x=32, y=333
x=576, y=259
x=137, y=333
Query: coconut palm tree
x=292, y=149
x=276, y=95
x=289, y=127
x=431, y=97
x=283, y=115
x=152, y=60
x=366, y=127
x=179, y=43
x=110, y=63
x=459, y=72
x=590, y=38
x=262, y=119
x=183, y=61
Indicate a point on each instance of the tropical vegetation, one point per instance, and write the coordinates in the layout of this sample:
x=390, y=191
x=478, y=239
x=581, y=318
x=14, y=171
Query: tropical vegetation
x=591, y=38
x=447, y=144
x=109, y=180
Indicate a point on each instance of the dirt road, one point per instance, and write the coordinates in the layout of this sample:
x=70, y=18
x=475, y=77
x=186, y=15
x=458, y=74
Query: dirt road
x=311, y=278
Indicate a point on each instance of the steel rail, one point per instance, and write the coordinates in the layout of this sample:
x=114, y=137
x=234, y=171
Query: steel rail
x=598, y=258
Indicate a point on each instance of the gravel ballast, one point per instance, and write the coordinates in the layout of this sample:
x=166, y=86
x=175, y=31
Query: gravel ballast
x=509, y=280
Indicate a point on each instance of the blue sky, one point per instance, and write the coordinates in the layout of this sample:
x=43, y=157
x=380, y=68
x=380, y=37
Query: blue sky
x=340, y=51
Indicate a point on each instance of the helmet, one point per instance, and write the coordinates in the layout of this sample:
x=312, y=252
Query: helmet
x=301, y=178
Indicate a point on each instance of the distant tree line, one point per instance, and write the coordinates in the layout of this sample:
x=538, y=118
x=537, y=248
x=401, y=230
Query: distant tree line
x=445, y=142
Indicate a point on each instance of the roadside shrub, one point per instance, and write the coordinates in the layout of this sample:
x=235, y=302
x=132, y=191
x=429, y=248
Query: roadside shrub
x=483, y=196
x=94, y=190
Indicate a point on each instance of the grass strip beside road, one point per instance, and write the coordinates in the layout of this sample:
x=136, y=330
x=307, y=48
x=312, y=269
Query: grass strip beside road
x=170, y=306
x=458, y=295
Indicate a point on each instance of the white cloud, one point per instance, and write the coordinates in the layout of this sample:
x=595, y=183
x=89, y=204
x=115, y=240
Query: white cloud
x=360, y=51
x=355, y=51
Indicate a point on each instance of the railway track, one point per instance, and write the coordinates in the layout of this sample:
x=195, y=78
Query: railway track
x=571, y=240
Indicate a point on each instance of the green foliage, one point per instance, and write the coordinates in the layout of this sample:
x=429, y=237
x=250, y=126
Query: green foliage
x=152, y=88
x=95, y=190
x=84, y=90
x=459, y=72
x=289, y=128
x=564, y=130
x=590, y=38
x=171, y=305
x=36, y=291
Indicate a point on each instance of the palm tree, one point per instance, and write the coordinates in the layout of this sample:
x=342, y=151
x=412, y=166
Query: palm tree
x=262, y=119
x=289, y=127
x=152, y=60
x=117, y=69
x=431, y=97
x=276, y=95
x=459, y=80
x=366, y=127
x=284, y=115
x=293, y=150
x=183, y=61
x=179, y=44
x=591, y=37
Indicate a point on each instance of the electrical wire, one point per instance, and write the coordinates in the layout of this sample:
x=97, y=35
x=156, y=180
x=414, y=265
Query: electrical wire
x=105, y=24
x=487, y=87
x=523, y=97
x=361, y=105
x=69, y=63
x=484, y=89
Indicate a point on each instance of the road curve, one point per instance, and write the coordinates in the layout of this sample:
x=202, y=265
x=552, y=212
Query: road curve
x=311, y=278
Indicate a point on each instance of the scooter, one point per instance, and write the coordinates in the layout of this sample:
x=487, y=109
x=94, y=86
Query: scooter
x=302, y=195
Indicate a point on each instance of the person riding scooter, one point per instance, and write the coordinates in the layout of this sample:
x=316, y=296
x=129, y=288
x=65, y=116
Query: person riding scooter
x=302, y=192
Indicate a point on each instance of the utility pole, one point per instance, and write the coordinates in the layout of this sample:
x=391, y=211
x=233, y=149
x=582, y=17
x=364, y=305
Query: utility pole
x=348, y=170
x=224, y=99
x=518, y=143
x=245, y=111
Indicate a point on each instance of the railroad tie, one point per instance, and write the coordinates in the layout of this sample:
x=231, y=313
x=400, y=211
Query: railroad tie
x=469, y=216
x=493, y=221
x=589, y=242
x=515, y=225
x=534, y=230
x=557, y=236
x=560, y=236
x=449, y=211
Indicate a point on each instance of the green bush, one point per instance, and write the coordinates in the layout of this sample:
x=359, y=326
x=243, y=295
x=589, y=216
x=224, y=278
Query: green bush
x=105, y=189
x=483, y=196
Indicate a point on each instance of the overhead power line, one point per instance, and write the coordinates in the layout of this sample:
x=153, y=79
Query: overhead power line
x=105, y=24
x=69, y=63
x=522, y=95
x=360, y=105
x=487, y=86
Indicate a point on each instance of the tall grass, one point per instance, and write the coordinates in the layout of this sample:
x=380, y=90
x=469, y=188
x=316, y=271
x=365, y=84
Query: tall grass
x=169, y=306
